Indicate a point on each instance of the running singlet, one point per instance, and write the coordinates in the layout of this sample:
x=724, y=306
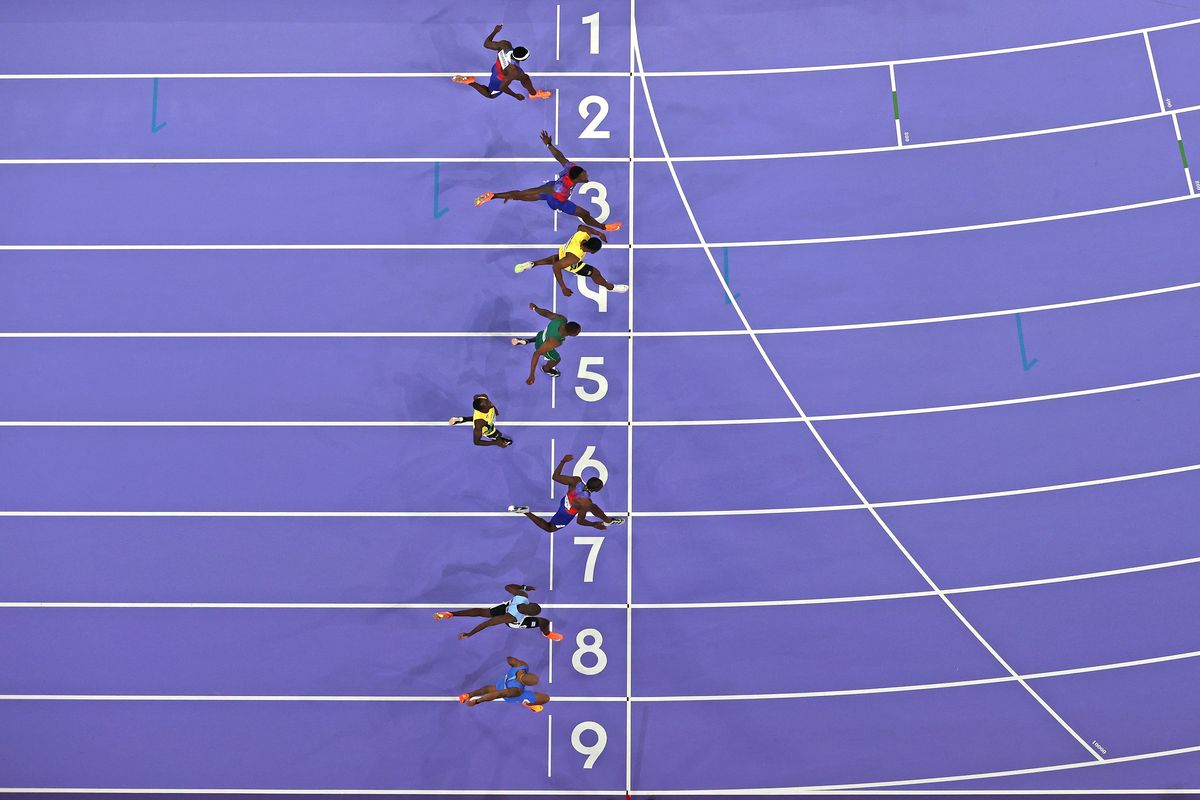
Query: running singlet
x=503, y=59
x=510, y=681
x=489, y=420
x=575, y=491
x=574, y=247
x=554, y=330
x=564, y=184
x=511, y=608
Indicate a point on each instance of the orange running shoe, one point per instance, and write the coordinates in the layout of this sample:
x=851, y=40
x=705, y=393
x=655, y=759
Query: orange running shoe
x=541, y=94
x=483, y=198
x=535, y=707
x=463, y=79
x=462, y=698
x=612, y=226
x=443, y=615
x=554, y=636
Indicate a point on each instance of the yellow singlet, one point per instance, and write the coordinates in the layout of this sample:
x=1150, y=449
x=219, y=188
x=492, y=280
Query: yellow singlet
x=489, y=421
x=574, y=247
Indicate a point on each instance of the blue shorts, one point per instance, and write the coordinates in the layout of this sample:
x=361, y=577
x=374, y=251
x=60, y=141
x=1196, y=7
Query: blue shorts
x=562, y=517
x=495, y=81
x=527, y=695
x=565, y=206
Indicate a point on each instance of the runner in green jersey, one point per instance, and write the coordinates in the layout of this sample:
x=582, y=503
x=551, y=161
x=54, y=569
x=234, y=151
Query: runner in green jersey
x=547, y=342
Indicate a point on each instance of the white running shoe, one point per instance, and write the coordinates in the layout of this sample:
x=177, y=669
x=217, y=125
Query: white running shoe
x=617, y=521
x=519, y=509
x=524, y=265
x=620, y=288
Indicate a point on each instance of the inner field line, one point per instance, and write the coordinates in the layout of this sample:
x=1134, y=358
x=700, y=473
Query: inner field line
x=626, y=699
x=1163, y=112
x=613, y=606
x=591, y=423
x=821, y=441
x=849, y=326
x=646, y=246
x=711, y=513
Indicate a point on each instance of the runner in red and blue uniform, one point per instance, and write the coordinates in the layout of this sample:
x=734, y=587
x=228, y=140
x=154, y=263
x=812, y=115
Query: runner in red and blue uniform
x=574, y=506
x=556, y=193
x=505, y=70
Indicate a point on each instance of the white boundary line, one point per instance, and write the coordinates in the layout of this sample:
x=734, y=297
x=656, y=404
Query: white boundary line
x=1162, y=109
x=591, y=423
x=712, y=513
x=660, y=74
x=849, y=326
x=626, y=699
x=824, y=446
x=600, y=159
x=645, y=246
x=618, y=606
x=895, y=105
x=629, y=431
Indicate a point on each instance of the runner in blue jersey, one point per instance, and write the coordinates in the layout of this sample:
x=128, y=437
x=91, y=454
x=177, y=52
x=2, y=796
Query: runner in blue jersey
x=505, y=70
x=575, y=505
x=512, y=688
x=518, y=612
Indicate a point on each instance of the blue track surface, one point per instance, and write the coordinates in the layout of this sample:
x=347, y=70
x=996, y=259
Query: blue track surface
x=900, y=408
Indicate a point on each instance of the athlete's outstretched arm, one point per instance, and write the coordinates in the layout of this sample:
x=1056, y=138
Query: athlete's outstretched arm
x=516, y=662
x=554, y=151
x=597, y=232
x=558, y=273
x=545, y=312
x=518, y=588
x=491, y=44
x=565, y=480
x=487, y=623
x=546, y=347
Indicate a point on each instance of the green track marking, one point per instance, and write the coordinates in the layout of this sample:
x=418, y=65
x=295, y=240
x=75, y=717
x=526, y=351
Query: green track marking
x=895, y=104
x=1183, y=154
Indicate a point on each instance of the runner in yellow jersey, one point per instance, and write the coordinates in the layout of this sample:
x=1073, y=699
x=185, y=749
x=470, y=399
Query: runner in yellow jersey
x=571, y=258
x=484, y=421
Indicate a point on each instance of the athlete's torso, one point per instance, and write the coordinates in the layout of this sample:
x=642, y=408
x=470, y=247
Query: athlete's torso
x=489, y=420
x=574, y=247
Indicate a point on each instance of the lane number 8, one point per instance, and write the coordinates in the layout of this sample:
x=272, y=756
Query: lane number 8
x=588, y=642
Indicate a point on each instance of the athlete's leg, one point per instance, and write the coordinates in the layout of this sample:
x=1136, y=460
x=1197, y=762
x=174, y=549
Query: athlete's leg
x=472, y=612
x=599, y=279
x=590, y=220
x=541, y=523
x=527, y=195
x=541, y=699
x=551, y=367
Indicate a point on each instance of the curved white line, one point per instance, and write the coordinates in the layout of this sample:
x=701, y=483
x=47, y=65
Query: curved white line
x=712, y=513
x=644, y=246
x=589, y=423
x=850, y=483
x=242, y=698
x=851, y=151
x=850, y=326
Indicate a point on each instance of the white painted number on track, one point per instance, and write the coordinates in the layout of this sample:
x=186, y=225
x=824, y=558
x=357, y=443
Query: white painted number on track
x=601, y=198
x=598, y=294
x=592, y=751
x=587, y=461
x=592, y=131
x=595, y=543
x=593, y=22
x=586, y=647
x=584, y=373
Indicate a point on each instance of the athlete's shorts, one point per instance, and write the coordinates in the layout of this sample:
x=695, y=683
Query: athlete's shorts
x=565, y=206
x=495, y=81
x=562, y=517
x=527, y=695
x=582, y=270
x=553, y=355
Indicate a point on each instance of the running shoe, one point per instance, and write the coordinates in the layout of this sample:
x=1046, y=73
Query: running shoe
x=618, y=521
x=612, y=226
x=519, y=509
x=541, y=94
x=535, y=707
x=463, y=79
x=457, y=420
x=462, y=698
x=483, y=198
x=554, y=636
x=518, y=342
x=620, y=288
x=443, y=615
x=553, y=372
x=524, y=265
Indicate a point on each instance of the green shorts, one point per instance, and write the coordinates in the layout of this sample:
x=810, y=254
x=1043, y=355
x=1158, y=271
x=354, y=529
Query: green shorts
x=553, y=354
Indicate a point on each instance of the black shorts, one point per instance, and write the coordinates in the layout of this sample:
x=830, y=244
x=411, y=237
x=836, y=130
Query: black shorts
x=584, y=271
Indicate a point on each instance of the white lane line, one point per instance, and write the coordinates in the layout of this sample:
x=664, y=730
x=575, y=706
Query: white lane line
x=1142, y=662
x=600, y=159
x=850, y=326
x=602, y=74
x=557, y=33
x=590, y=423
x=712, y=513
x=1187, y=170
x=895, y=104
x=1154, y=73
x=549, y=745
x=629, y=430
x=618, y=606
x=820, y=440
x=645, y=246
